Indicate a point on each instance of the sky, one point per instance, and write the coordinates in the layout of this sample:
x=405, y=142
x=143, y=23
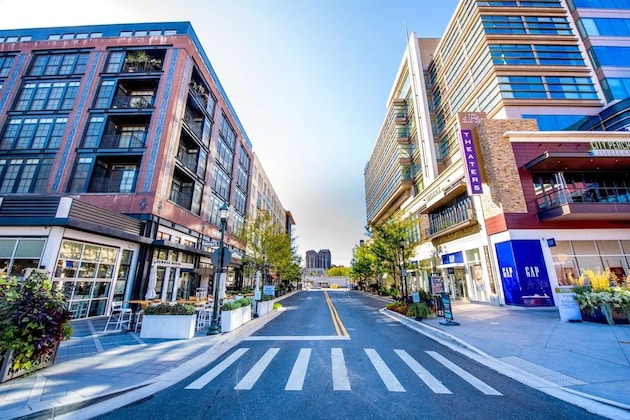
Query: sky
x=308, y=79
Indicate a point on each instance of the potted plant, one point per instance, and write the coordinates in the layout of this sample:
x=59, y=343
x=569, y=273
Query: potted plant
x=264, y=305
x=599, y=301
x=235, y=313
x=135, y=59
x=34, y=319
x=169, y=321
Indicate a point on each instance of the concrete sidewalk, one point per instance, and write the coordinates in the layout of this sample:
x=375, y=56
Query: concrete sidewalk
x=586, y=359
x=591, y=361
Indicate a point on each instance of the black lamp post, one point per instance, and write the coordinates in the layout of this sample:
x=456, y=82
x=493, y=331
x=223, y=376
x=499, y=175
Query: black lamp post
x=214, y=324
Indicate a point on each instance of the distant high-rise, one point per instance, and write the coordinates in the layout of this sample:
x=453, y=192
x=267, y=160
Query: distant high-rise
x=319, y=259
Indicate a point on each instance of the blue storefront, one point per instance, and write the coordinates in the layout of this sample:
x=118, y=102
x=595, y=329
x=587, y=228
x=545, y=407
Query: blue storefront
x=524, y=276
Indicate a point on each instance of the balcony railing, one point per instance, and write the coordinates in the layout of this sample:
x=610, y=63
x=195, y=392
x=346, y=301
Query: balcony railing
x=561, y=197
x=109, y=184
x=188, y=160
x=450, y=219
x=133, y=101
x=118, y=141
x=181, y=199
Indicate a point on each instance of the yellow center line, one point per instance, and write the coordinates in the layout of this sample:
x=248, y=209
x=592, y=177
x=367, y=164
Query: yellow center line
x=339, y=327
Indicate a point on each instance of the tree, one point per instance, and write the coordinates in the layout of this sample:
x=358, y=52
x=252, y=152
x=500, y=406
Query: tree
x=363, y=266
x=387, y=250
x=339, y=271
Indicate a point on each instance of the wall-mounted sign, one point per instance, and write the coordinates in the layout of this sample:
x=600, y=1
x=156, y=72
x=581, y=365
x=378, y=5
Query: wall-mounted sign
x=471, y=163
x=609, y=148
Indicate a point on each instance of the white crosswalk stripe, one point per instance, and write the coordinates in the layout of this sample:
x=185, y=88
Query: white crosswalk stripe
x=481, y=386
x=388, y=378
x=431, y=381
x=339, y=371
x=298, y=373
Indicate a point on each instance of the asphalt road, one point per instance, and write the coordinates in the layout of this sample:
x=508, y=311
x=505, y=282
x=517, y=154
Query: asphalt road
x=332, y=355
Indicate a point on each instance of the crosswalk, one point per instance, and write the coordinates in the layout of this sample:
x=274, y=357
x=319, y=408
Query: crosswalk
x=339, y=371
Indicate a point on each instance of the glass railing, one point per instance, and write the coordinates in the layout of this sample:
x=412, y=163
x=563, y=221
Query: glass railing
x=110, y=184
x=560, y=197
x=117, y=141
x=195, y=124
x=135, y=101
x=188, y=160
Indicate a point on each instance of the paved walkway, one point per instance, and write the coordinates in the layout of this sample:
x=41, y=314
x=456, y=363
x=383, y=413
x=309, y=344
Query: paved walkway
x=586, y=360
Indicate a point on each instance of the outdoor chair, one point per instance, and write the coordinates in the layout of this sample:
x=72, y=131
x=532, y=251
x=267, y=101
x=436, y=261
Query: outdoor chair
x=118, y=316
x=138, y=321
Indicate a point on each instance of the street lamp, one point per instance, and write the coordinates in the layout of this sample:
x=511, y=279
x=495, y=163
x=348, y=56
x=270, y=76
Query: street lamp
x=403, y=272
x=214, y=325
x=262, y=283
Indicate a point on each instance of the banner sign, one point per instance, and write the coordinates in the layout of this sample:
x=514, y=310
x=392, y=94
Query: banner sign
x=471, y=163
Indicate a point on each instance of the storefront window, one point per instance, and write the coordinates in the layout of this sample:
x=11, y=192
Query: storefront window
x=85, y=272
x=16, y=255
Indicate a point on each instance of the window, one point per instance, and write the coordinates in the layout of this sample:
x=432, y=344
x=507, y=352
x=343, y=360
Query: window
x=104, y=94
x=5, y=65
x=18, y=254
x=22, y=176
x=606, y=26
x=616, y=88
x=546, y=55
x=114, y=62
x=50, y=96
x=555, y=122
x=58, y=64
x=532, y=87
x=535, y=25
x=570, y=88
x=227, y=133
x=221, y=185
x=33, y=133
x=610, y=56
x=112, y=176
x=225, y=156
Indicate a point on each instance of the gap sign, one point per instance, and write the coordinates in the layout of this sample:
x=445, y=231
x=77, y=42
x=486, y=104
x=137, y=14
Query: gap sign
x=471, y=163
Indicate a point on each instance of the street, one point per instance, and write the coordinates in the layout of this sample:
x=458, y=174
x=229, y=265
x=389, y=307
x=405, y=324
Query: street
x=331, y=354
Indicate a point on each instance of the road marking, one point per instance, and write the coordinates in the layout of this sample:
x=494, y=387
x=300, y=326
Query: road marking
x=215, y=371
x=339, y=327
x=298, y=373
x=481, y=386
x=431, y=381
x=295, y=337
x=254, y=373
x=339, y=372
x=384, y=372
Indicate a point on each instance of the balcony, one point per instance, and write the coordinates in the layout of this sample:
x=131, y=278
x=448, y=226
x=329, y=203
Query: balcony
x=133, y=101
x=112, y=184
x=451, y=220
x=585, y=204
x=194, y=123
x=188, y=160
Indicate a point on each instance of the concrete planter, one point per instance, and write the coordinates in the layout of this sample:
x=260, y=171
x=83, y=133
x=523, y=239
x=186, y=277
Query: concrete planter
x=262, y=307
x=231, y=320
x=168, y=326
x=6, y=365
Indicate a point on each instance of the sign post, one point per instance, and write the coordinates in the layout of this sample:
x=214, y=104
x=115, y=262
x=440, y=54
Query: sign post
x=448, y=311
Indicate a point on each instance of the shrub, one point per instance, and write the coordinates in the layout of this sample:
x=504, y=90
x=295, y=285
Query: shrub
x=266, y=297
x=34, y=318
x=277, y=306
x=399, y=307
x=168, y=309
x=419, y=310
x=230, y=306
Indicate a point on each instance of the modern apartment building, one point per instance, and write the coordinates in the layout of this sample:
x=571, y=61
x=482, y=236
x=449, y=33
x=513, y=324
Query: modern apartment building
x=118, y=146
x=507, y=141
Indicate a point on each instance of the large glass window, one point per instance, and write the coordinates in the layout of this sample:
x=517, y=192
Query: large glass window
x=5, y=65
x=47, y=96
x=22, y=176
x=33, y=133
x=18, y=254
x=85, y=273
x=599, y=4
x=610, y=56
x=606, y=26
x=572, y=258
x=537, y=87
x=58, y=64
x=616, y=88
x=545, y=55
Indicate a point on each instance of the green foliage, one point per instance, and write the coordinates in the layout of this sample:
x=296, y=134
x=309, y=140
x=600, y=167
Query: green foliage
x=339, y=271
x=419, y=310
x=168, y=309
x=276, y=306
x=230, y=306
x=595, y=290
x=34, y=318
x=399, y=307
x=264, y=297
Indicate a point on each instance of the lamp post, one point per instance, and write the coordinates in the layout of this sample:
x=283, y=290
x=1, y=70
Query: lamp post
x=262, y=283
x=214, y=324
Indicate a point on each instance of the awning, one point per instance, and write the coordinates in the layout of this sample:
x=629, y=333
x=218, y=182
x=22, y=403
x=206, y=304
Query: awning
x=576, y=161
x=452, y=265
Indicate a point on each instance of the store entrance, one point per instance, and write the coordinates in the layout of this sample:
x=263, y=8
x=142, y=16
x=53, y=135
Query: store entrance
x=459, y=289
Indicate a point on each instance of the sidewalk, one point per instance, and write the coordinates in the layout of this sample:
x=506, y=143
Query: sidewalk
x=590, y=360
x=587, y=359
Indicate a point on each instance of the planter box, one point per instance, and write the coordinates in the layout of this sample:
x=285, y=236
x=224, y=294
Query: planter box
x=6, y=365
x=599, y=317
x=168, y=326
x=231, y=320
x=262, y=307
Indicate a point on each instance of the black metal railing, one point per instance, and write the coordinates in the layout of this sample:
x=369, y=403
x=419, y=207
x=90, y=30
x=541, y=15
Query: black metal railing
x=118, y=141
x=133, y=101
x=450, y=218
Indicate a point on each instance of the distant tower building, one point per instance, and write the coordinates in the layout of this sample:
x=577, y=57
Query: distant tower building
x=319, y=259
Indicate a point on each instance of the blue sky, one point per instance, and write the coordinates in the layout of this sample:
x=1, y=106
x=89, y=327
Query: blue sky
x=309, y=80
